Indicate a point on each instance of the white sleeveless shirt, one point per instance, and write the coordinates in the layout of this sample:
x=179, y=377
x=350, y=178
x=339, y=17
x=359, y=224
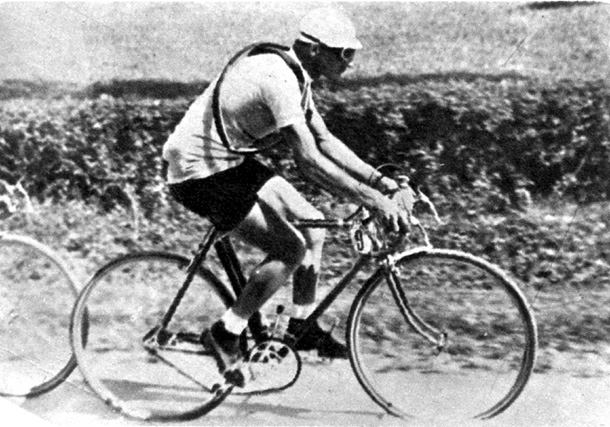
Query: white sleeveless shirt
x=259, y=96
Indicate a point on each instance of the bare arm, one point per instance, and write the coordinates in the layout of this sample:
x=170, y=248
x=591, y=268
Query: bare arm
x=319, y=168
x=345, y=158
x=323, y=170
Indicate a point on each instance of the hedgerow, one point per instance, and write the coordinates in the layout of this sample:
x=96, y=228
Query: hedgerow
x=97, y=150
x=504, y=135
x=468, y=141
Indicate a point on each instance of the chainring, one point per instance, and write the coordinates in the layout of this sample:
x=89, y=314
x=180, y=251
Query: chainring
x=274, y=366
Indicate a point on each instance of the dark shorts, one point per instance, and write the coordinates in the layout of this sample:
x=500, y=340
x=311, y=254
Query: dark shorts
x=227, y=197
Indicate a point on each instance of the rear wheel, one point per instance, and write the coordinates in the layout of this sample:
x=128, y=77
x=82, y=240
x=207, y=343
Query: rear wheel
x=480, y=346
x=37, y=293
x=137, y=369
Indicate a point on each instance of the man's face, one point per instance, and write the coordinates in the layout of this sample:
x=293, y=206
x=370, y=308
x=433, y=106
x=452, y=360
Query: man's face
x=334, y=61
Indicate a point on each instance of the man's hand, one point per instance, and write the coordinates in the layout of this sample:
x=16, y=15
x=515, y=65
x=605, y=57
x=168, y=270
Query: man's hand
x=387, y=185
x=394, y=218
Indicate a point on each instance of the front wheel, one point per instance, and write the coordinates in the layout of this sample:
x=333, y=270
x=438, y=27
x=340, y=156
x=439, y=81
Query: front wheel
x=136, y=367
x=444, y=336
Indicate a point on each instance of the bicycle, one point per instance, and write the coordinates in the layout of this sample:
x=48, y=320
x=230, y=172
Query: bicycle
x=37, y=292
x=432, y=332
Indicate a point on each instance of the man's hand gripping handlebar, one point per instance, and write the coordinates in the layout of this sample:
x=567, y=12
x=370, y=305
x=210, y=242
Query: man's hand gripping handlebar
x=371, y=233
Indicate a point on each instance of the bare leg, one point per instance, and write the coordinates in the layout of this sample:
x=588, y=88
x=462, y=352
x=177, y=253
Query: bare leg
x=267, y=228
x=291, y=206
x=288, y=251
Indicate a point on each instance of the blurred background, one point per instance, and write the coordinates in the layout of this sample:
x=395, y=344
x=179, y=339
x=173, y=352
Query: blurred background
x=84, y=42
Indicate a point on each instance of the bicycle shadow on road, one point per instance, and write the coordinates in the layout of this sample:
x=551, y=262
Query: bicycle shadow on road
x=245, y=406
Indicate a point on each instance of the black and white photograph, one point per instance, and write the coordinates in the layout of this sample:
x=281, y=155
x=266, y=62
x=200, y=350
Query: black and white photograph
x=271, y=213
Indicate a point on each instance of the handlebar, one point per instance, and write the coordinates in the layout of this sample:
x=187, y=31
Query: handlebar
x=367, y=233
x=371, y=237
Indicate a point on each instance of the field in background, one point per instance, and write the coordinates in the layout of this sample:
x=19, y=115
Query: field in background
x=84, y=43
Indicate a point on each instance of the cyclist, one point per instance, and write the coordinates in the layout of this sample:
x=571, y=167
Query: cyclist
x=262, y=99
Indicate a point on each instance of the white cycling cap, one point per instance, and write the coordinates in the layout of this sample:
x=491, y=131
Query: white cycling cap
x=329, y=27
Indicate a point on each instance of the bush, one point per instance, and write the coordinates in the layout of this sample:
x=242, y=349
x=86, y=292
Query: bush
x=470, y=142
x=511, y=135
x=94, y=150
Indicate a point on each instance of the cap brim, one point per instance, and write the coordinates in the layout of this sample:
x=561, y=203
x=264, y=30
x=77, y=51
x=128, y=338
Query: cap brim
x=346, y=44
x=355, y=44
x=352, y=43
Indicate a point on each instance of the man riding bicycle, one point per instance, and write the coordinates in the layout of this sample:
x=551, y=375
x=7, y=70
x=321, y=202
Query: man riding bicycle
x=264, y=99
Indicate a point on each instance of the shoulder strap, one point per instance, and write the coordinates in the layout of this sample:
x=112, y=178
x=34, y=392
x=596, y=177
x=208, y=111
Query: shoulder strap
x=282, y=51
x=251, y=50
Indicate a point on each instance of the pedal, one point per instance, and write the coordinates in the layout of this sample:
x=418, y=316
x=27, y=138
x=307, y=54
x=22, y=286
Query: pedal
x=236, y=377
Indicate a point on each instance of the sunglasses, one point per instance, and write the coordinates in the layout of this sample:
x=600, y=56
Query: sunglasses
x=344, y=53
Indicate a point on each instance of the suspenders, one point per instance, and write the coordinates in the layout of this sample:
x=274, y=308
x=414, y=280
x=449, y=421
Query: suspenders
x=251, y=50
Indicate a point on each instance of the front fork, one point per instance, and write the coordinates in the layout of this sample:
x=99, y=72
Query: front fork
x=434, y=336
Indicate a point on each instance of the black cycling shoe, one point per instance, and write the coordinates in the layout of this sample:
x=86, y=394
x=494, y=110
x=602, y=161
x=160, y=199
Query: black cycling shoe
x=224, y=347
x=317, y=339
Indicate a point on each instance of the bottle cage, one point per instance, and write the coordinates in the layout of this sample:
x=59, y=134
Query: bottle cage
x=251, y=50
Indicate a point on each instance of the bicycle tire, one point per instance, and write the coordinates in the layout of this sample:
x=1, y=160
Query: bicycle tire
x=123, y=302
x=37, y=291
x=490, y=347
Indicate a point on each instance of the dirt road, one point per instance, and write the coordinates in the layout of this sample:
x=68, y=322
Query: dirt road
x=328, y=394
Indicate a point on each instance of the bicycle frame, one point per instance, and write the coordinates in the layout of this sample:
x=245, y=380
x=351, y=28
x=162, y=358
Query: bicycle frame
x=228, y=258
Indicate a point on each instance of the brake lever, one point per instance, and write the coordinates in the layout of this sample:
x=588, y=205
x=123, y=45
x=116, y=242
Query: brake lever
x=403, y=183
x=421, y=196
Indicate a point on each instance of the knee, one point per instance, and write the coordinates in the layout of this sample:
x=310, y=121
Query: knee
x=292, y=250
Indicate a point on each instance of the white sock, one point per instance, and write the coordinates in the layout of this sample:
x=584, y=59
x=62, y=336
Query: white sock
x=303, y=311
x=234, y=323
